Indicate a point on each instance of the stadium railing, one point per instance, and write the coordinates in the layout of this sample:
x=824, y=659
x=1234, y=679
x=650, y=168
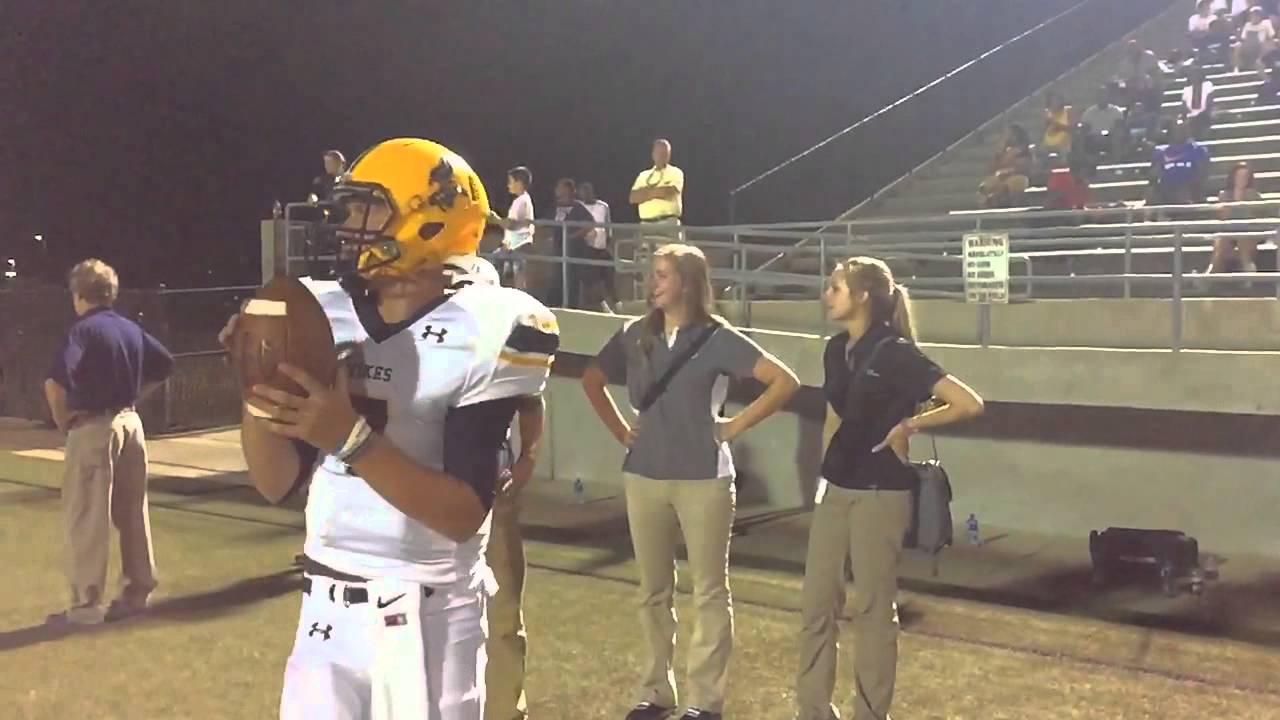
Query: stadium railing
x=1122, y=252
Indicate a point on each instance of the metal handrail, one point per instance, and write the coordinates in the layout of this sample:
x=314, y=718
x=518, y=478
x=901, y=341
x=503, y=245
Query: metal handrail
x=939, y=238
x=935, y=239
x=897, y=103
x=900, y=101
x=946, y=245
x=999, y=118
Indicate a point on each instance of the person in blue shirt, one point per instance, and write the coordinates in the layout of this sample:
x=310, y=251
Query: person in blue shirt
x=103, y=367
x=1179, y=169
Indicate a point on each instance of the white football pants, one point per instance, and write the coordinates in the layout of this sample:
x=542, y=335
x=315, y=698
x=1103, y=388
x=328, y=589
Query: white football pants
x=398, y=655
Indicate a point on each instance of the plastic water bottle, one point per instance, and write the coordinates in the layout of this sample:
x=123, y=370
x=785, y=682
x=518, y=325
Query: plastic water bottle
x=579, y=491
x=972, y=526
x=277, y=210
x=1210, y=567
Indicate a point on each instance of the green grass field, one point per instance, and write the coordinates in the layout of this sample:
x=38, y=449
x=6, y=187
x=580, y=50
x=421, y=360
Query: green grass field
x=215, y=646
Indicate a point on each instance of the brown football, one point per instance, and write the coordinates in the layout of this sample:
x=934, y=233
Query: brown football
x=282, y=323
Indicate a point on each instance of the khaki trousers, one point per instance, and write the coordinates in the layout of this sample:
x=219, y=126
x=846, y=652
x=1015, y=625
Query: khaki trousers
x=866, y=527
x=660, y=512
x=105, y=476
x=506, y=645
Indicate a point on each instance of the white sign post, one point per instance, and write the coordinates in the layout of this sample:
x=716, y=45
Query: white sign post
x=986, y=268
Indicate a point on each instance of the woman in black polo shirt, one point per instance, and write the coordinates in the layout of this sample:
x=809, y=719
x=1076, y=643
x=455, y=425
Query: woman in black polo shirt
x=863, y=503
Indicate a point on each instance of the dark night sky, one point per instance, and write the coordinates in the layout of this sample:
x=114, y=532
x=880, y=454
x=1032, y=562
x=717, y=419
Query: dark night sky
x=156, y=133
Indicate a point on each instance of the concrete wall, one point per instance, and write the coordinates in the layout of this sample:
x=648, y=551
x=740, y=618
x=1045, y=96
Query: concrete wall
x=1207, y=323
x=1047, y=483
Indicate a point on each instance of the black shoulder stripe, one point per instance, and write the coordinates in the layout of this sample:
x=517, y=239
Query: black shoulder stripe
x=527, y=339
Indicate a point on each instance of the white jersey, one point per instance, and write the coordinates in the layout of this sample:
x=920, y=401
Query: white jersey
x=480, y=343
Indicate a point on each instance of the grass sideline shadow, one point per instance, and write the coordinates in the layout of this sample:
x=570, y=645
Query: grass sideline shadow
x=188, y=607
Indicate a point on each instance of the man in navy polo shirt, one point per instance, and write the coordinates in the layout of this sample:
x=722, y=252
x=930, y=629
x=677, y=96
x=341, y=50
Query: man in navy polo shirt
x=102, y=368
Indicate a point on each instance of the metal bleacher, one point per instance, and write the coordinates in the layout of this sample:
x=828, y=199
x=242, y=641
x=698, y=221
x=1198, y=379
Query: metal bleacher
x=938, y=201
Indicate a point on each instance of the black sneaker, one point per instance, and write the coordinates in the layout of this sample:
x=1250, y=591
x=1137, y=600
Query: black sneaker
x=649, y=711
x=696, y=714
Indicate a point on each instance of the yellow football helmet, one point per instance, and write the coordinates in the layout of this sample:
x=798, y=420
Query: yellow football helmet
x=404, y=204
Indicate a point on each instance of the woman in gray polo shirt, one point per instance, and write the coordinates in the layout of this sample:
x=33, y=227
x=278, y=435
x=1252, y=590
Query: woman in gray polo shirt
x=678, y=469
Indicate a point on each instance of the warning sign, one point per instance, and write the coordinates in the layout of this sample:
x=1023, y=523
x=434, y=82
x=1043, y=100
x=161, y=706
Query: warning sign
x=986, y=268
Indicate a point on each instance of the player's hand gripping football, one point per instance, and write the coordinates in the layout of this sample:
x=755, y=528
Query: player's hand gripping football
x=323, y=418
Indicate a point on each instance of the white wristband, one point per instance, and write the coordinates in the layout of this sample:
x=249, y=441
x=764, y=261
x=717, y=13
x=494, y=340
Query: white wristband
x=356, y=439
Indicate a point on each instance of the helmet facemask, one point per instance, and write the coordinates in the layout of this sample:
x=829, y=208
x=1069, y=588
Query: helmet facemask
x=406, y=204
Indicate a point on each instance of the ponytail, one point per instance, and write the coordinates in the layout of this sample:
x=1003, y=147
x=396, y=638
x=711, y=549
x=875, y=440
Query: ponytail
x=890, y=304
x=900, y=319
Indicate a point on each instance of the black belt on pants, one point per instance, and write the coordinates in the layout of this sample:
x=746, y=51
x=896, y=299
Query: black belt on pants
x=350, y=595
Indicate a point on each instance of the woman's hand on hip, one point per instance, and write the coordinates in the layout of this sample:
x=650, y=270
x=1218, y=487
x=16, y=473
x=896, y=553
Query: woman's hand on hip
x=627, y=437
x=727, y=429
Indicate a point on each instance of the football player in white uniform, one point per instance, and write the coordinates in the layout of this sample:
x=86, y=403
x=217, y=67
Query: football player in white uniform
x=409, y=439
x=507, y=646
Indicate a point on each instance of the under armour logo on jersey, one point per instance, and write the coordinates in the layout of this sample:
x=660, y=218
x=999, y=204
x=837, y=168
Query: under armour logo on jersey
x=317, y=630
x=427, y=332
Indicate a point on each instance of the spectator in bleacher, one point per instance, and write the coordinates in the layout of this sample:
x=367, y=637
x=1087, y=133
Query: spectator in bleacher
x=1197, y=101
x=1010, y=170
x=322, y=185
x=1235, y=249
x=569, y=209
x=1205, y=30
x=1057, y=125
x=1142, y=77
x=1257, y=38
x=658, y=192
x=1102, y=126
x=598, y=238
x=1069, y=188
x=1178, y=170
x=517, y=227
x=1199, y=23
x=602, y=278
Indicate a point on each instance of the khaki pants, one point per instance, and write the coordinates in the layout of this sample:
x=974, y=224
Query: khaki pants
x=660, y=512
x=504, y=677
x=865, y=526
x=106, y=477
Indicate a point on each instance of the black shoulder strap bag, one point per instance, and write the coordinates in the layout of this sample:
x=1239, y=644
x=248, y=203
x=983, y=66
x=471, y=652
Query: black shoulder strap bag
x=660, y=385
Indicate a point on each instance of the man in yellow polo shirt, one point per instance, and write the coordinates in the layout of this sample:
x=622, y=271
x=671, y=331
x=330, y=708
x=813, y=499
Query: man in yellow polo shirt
x=658, y=191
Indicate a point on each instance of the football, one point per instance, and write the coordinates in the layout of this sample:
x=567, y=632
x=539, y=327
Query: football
x=282, y=323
